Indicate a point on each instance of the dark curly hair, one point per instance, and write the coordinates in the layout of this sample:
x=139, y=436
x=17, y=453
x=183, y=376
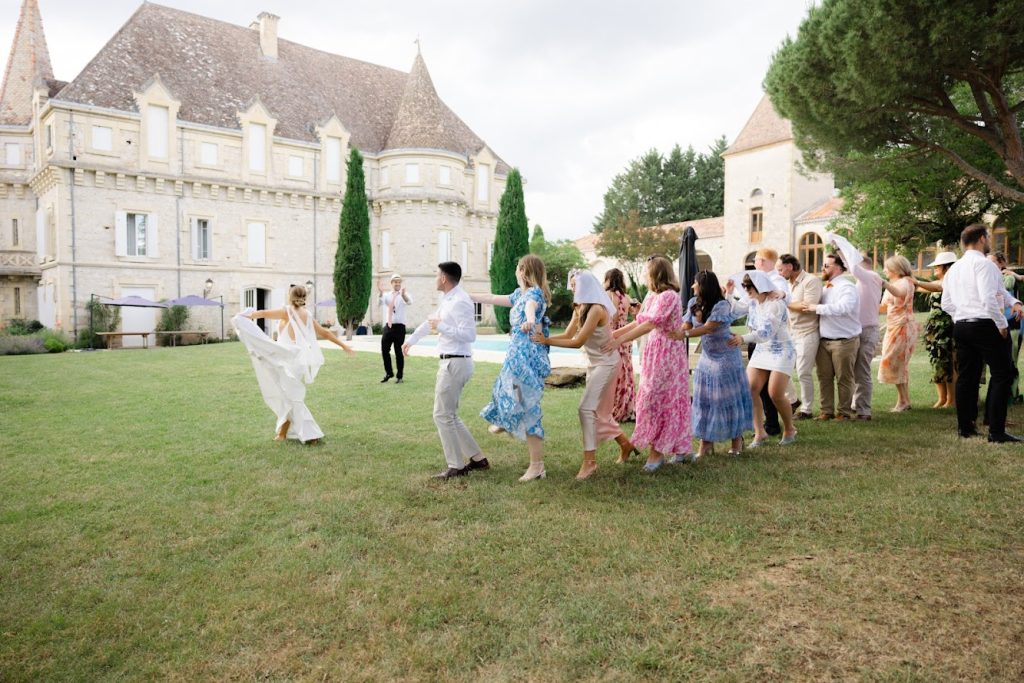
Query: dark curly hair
x=709, y=293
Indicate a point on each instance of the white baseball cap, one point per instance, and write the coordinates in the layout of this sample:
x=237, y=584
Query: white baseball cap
x=396, y=276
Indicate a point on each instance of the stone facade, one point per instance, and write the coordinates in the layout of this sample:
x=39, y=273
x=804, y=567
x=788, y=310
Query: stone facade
x=154, y=181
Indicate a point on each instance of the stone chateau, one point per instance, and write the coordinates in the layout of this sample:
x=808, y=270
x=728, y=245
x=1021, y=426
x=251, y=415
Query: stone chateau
x=193, y=156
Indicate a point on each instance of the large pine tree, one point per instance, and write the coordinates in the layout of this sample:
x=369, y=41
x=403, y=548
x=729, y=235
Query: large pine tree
x=511, y=242
x=353, y=262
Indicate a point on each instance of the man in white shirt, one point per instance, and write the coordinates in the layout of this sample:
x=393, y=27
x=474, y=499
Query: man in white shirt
x=974, y=296
x=393, y=309
x=839, y=327
x=869, y=290
x=455, y=323
x=805, y=289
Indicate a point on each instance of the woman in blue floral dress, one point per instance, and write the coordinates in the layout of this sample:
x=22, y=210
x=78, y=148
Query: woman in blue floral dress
x=515, y=398
x=722, y=407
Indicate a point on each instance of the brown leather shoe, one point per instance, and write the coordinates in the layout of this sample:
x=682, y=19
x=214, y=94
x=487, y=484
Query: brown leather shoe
x=841, y=418
x=824, y=417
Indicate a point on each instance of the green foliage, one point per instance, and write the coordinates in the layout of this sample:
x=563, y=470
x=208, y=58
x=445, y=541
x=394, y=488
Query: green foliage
x=55, y=342
x=912, y=202
x=102, y=318
x=932, y=81
x=685, y=186
x=353, y=262
x=559, y=258
x=21, y=344
x=20, y=326
x=173, y=318
x=511, y=242
x=632, y=243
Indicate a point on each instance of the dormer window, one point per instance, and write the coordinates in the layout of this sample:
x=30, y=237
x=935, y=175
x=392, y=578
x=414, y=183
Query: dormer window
x=12, y=154
x=208, y=153
x=444, y=175
x=103, y=138
x=157, y=122
x=258, y=147
x=332, y=149
x=412, y=174
x=483, y=183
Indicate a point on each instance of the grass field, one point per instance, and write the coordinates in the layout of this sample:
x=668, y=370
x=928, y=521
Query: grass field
x=150, y=529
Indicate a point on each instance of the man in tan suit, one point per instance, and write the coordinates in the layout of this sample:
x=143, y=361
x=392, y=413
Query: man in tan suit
x=805, y=290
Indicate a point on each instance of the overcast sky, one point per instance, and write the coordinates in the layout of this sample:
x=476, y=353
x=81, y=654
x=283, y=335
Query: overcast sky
x=567, y=91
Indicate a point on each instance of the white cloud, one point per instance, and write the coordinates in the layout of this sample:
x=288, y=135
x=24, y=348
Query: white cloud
x=567, y=91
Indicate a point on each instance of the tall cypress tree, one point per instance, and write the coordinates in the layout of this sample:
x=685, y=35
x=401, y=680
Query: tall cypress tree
x=353, y=262
x=511, y=242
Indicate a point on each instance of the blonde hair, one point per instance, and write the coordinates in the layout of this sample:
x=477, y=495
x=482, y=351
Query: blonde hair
x=899, y=265
x=534, y=274
x=661, y=275
x=767, y=253
x=297, y=296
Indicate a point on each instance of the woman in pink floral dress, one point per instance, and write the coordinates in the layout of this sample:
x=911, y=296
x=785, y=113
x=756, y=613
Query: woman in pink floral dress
x=625, y=382
x=900, y=329
x=663, y=398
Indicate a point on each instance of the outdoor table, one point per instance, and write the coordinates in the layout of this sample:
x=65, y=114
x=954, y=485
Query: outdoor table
x=203, y=334
x=144, y=335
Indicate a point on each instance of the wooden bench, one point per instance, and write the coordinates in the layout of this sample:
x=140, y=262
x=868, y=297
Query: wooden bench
x=202, y=334
x=120, y=335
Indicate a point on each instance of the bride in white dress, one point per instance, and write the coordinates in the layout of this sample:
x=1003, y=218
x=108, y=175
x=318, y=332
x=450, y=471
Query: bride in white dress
x=285, y=367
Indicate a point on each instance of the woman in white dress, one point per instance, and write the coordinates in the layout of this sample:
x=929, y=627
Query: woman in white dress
x=284, y=368
x=773, y=359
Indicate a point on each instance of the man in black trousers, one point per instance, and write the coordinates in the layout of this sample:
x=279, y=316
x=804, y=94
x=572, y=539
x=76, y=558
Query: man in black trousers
x=973, y=294
x=394, y=305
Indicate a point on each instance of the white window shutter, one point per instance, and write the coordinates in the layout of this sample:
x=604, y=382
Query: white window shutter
x=152, y=237
x=194, y=230
x=121, y=233
x=40, y=233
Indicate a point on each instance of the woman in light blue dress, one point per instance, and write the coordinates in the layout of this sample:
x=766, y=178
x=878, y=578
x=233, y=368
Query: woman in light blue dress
x=774, y=358
x=722, y=408
x=515, y=398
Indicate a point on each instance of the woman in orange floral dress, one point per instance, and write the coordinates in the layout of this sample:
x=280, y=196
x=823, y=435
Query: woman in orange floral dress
x=900, y=329
x=625, y=382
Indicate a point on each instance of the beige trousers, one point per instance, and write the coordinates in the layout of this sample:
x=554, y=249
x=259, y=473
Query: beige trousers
x=835, y=363
x=459, y=445
x=597, y=405
x=806, y=356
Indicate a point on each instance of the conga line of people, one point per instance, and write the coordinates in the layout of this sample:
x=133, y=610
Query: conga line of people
x=796, y=321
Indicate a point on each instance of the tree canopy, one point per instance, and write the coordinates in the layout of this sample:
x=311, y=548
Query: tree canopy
x=632, y=243
x=935, y=79
x=684, y=186
x=353, y=261
x=559, y=258
x=511, y=242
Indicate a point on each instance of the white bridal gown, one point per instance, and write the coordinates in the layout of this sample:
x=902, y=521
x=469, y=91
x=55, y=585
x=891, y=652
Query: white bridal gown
x=284, y=368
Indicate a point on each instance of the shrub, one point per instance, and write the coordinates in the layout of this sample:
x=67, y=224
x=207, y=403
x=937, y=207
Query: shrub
x=377, y=328
x=19, y=345
x=21, y=327
x=102, y=318
x=173, y=318
x=55, y=342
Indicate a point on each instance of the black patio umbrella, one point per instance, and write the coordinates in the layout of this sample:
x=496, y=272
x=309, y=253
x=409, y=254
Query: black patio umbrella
x=687, y=268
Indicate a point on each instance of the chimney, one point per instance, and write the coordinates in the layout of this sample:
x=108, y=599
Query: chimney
x=267, y=25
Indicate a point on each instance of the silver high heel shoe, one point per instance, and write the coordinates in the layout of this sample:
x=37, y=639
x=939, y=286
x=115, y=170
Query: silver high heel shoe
x=540, y=474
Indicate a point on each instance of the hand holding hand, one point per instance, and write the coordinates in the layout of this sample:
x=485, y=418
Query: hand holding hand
x=677, y=334
x=776, y=295
x=538, y=337
x=1018, y=311
x=405, y=349
x=735, y=340
x=729, y=286
x=811, y=308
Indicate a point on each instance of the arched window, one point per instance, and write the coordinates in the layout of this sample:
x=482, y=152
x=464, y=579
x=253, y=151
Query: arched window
x=748, y=263
x=1002, y=241
x=703, y=261
x=812, y=252
x=756, y=216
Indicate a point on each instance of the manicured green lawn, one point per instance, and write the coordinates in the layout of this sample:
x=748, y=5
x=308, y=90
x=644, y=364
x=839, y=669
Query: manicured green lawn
x=150, y=529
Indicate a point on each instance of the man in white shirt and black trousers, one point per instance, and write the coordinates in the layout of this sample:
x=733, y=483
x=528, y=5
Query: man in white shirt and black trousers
x=393, y=308
x=974, y=296
x=454, y=321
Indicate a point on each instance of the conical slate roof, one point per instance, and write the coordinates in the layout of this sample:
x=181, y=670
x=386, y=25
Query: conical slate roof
x=216, y=69
x=765, y=127
x=27, y=67
x=424, y=121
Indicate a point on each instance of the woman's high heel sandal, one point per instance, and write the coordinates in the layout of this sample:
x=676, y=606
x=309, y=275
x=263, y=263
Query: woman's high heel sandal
x=532, y=474
x=587, y=470
x=737, y=451
x=622, y=459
